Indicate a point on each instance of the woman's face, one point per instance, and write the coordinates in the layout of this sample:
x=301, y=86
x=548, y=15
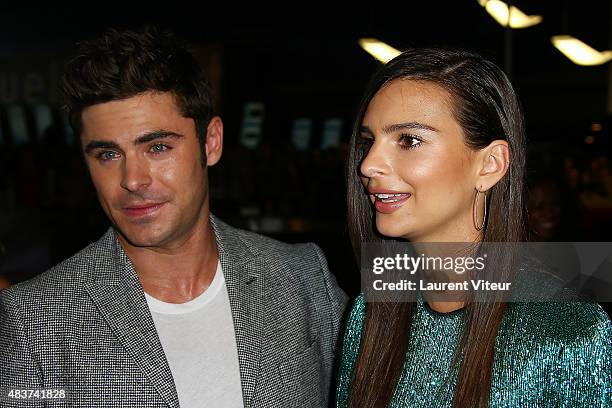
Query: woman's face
x=418, y=172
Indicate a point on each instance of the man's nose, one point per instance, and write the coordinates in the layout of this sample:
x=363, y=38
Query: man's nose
x=136, y=174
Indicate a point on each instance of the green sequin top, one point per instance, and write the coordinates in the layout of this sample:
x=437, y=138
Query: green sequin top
x=547, y=355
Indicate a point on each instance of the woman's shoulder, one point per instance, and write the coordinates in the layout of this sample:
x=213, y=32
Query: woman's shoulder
x=548, y=310
x=568, y=322
x=565, y=347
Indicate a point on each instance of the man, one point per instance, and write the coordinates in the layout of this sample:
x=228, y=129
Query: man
x=171, y=306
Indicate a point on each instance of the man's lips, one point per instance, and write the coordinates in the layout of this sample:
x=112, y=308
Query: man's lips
x=140, y=210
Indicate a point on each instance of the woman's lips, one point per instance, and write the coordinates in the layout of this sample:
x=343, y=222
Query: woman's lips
x=142, y=210
x=387, y=203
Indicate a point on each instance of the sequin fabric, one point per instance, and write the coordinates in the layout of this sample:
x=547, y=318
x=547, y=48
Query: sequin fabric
x=555, y=354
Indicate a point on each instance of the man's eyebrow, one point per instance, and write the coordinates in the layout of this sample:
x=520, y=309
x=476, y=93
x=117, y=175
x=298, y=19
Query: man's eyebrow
x=158, y=134
x=408, y=125
x=100, y=144
x=147, y=137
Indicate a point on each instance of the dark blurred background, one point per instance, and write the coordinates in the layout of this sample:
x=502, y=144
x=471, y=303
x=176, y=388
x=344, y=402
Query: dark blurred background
x=287, y=89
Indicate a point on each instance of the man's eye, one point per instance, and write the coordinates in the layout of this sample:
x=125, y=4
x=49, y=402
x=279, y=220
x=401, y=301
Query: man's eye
x=159, y=148
x=107, y=155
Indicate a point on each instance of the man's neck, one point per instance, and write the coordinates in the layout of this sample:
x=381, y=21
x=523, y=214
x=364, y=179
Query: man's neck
x=180, y=273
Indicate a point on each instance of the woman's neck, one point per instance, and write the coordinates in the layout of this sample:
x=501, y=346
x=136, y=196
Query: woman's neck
x=447, y=277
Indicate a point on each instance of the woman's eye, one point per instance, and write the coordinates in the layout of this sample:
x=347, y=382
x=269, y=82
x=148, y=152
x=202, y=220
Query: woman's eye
x=409, y=141
x=365, y=140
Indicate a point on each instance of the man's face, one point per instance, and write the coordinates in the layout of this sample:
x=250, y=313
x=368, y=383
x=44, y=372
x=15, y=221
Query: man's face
x=145, y=162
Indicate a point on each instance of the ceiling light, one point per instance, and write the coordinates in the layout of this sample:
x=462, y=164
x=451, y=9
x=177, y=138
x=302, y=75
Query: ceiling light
x=579, y=52
x=499, y=11
x=378, y=49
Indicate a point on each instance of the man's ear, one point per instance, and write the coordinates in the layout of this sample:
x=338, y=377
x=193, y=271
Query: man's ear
x=214, y=141
x=493, y=163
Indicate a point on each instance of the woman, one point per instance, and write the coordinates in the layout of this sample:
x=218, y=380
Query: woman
x=437, y=155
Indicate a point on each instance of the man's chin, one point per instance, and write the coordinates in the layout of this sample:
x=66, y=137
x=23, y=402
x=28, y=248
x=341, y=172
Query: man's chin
x=141, y=239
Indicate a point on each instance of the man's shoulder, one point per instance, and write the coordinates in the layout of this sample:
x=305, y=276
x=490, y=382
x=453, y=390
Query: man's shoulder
x=262, y=245
x=300, y=265
x=69, y=273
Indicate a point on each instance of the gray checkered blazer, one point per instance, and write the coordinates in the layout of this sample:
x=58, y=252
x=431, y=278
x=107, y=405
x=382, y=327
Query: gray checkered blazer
x=84, y=326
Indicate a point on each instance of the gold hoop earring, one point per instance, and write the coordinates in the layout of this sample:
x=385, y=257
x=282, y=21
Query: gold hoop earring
x=475, y=210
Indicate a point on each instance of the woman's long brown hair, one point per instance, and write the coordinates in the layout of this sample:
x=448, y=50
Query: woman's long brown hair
x=485, y=105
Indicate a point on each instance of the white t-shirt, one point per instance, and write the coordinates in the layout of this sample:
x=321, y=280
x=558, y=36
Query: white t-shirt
x=200, y=345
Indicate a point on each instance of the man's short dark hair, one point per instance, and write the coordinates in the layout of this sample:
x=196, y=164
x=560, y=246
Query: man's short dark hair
x=123, y=64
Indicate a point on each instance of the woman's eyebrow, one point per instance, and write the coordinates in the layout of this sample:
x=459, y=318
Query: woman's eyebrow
x=408, y=125
x=366, y=130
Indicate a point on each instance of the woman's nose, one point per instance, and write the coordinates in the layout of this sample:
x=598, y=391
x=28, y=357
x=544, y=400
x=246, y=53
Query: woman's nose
x=376, y=163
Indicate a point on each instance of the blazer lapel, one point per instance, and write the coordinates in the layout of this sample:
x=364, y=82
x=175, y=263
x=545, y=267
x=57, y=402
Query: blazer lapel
x=118, y=295
x=242, y=272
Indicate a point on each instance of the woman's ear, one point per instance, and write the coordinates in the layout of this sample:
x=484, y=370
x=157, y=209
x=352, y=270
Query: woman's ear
x=493, y=162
